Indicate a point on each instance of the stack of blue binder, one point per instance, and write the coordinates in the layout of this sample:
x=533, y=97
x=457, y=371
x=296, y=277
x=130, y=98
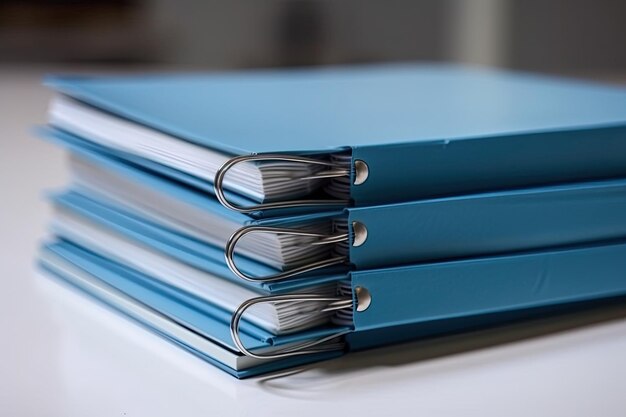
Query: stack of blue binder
x=267, y=219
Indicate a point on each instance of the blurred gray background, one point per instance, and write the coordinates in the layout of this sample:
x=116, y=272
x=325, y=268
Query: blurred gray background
x=578, y=37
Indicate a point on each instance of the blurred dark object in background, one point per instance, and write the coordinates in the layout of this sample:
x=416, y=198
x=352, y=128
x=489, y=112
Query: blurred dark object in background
x=300, y=34
x=75, y=31
x=551, y=35
x=567, y=34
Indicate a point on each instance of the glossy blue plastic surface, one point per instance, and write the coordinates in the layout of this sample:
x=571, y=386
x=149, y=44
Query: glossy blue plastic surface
x=297, y=111
x=423, y=130
x=447, y=290
x=490, y=223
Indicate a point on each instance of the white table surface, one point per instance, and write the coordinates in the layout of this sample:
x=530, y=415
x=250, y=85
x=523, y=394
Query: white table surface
x=61, y=355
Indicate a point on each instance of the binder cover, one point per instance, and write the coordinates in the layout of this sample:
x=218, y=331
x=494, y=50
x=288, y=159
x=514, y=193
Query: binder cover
x=422, y=293
x=189, y=312
x=411, y=301
x=431, y=299
x=205, y=257
x=421, y=130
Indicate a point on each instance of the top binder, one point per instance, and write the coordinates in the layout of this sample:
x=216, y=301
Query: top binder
x=262, y=140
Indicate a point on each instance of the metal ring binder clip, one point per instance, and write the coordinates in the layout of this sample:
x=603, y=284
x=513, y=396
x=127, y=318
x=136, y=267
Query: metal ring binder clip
x=324, y=239
x=335, y=172
x=304, y=348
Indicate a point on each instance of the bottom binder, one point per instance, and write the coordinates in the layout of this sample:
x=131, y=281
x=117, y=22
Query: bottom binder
x=196, y=328
x=373, y=308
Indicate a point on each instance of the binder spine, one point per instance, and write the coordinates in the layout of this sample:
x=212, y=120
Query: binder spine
x=447, y=166
x=335, y=169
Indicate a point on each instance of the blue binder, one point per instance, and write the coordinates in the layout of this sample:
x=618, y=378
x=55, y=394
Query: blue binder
x=411, y=131
x=396, y=304
x=197, y=254
x=420, y=231
x=187, y=311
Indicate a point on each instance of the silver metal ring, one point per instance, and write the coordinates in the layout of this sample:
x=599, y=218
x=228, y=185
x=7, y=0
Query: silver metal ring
x=304, y=348
x=335, y=172
x=324, y=239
